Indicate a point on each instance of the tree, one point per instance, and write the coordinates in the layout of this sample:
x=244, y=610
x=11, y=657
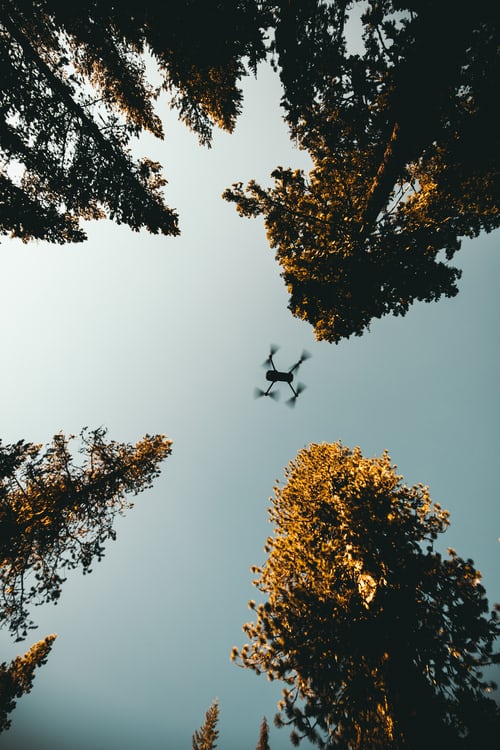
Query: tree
x=205, y=737
x=55, y=516
x=75, y=92
x=17, y=679
x=263, y=743
x=379, y=639
x=405, y=157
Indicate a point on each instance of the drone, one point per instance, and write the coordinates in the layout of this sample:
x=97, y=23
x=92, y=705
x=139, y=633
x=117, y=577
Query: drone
x=277, y=376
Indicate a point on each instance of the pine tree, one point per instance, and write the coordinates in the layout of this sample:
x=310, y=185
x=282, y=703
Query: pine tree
x=205, y=737
x=75, y=93
x=16, y=679
x=263, y=743
x=56, y=514
x=380, y=640
x=405, y=153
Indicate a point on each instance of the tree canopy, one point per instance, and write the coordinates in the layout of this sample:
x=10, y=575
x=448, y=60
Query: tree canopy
x=405, y=153
x=263, y=743
x=75, y=91
x=16, y=679
x=56, y=514
x=380, y=640
x=402, y=135
x=205, y=737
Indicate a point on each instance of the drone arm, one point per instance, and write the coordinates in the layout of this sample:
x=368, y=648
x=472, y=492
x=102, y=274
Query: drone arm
x=296, y=393
x=305, y=355
x=272, y=363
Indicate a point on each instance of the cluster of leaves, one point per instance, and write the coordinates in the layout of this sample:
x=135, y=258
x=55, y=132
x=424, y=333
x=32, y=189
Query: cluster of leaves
x=56, y=515
x=405, y=157
x=263, y=743
x=205, y=737
x=16, y=679
x=380, y=640
x=65, y=132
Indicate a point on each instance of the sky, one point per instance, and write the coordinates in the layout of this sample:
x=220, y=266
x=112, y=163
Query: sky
x=145, y=334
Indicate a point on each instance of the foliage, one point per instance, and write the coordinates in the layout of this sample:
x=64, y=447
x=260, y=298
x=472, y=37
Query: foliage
x=379, y=639
x=205, y=737
x=404, y=146
x=75, y=91
x=16, y=679
x=263, y=743
x=56, y=514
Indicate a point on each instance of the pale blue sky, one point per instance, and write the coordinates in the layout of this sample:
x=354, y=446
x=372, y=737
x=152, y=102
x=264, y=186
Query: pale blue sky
x=151, y=334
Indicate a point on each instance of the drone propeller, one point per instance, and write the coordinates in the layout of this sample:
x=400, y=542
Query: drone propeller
x=291, y=401
x=272, y=351
x=305, y=355
x=258, y=393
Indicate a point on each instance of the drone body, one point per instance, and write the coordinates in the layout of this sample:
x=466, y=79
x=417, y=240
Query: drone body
x=275, y=376
x=279, y=376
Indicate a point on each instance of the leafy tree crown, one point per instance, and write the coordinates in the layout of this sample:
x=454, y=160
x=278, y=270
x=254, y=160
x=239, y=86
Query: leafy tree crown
x=374, y=633
x=56, y=514
x=76, y=92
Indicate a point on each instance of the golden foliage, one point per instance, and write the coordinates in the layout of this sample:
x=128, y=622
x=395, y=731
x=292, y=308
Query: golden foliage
x=56, y=514
x=16, y=679
x=364, y=622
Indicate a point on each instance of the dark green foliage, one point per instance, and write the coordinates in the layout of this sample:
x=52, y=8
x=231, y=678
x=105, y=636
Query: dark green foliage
x=205, y=737
x=405, y=152
x=74, y=92
x=381, y=641
x=56, y=514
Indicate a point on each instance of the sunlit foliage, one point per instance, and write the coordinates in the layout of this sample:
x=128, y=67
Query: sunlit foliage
x=56, y=513
x=379, y=639
x=205, y=737
x=75, y=91
x=263, y=743
x=404, y=143
x=16, y=679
